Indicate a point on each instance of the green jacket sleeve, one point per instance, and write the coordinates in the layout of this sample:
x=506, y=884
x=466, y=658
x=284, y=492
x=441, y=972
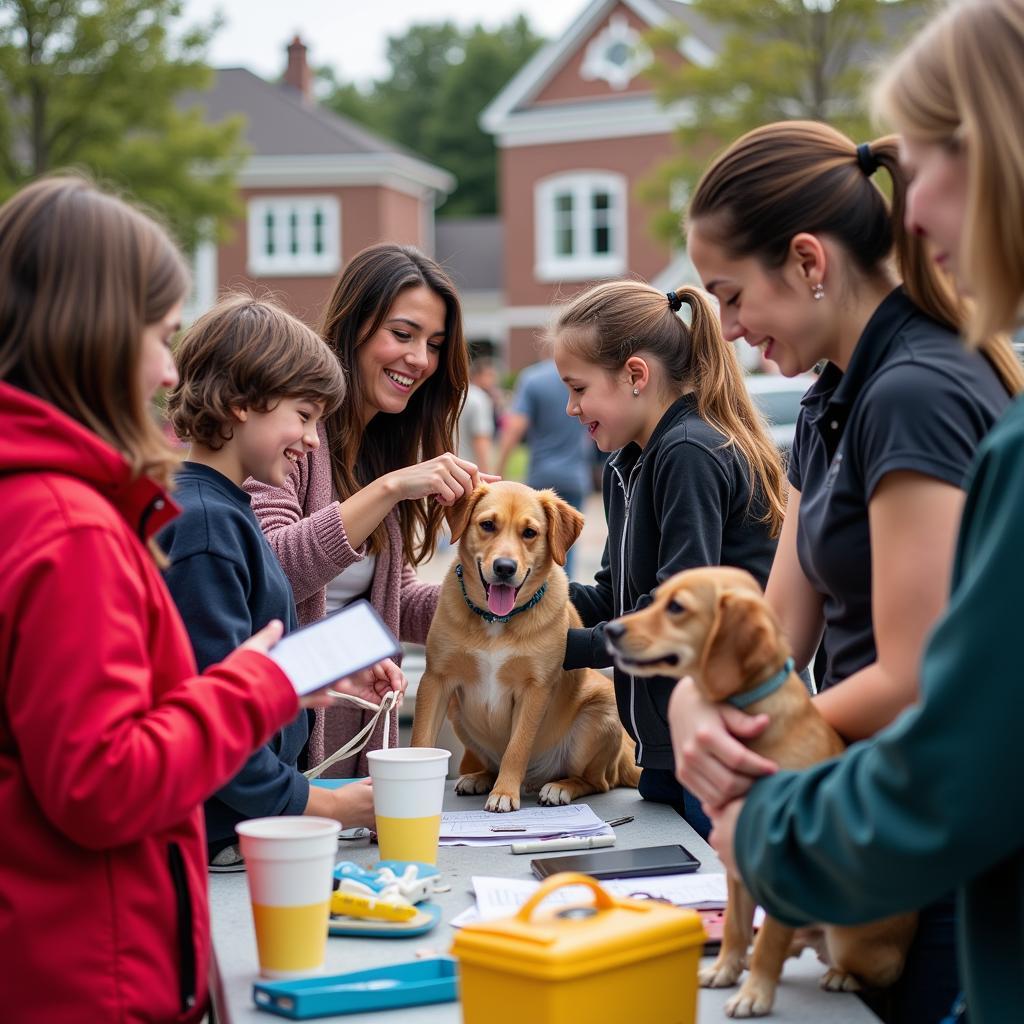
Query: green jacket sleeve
x=935, y=799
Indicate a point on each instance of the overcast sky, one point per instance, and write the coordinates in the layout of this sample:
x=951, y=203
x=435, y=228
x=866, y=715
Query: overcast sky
x=351, y=35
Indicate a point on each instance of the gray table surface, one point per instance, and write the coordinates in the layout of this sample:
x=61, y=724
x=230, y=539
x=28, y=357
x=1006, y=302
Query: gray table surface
x=799, y=999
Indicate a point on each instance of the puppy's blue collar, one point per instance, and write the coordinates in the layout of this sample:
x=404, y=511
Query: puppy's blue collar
x=490, y=616
x=766, y=689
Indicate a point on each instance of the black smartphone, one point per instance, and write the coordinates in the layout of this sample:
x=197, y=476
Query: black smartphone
x=648, y=860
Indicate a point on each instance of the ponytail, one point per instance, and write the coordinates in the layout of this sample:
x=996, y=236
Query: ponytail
x=609, y=323
x=931, y=291
x=724, y=402
x=781, y=179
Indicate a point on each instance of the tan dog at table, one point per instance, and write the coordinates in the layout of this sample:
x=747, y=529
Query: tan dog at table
x=715, y=625
x=495, y=652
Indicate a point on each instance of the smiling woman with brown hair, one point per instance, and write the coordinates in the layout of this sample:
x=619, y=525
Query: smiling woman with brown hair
x=357, y=514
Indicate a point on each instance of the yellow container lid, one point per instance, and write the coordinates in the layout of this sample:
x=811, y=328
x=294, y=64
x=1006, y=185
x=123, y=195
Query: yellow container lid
x=569, y=941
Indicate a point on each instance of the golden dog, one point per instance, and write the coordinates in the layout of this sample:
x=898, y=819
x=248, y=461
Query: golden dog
x=715, y=625
x=494, y=659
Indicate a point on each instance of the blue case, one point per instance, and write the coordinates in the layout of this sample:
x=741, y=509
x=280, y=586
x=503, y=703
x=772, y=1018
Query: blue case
x=332, y=783
x=416, y=983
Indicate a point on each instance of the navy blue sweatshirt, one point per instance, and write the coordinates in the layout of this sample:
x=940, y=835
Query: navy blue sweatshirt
x=681, y=502
x=228, y=584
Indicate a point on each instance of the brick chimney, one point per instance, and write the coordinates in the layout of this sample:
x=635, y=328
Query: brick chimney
x=298, y=75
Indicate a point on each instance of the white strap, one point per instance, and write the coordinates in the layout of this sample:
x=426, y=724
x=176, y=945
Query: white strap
x=361, y=738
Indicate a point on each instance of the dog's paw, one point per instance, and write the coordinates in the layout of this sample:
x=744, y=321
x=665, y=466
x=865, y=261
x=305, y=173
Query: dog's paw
x=474, y=783
x=553, y=794
x=837, y=981
x=501, y=803
x=754, y=999
x=721, y=974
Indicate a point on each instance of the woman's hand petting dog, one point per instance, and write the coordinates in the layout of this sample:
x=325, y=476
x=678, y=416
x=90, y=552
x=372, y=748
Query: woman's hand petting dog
x=711, y=758
x=446, y=478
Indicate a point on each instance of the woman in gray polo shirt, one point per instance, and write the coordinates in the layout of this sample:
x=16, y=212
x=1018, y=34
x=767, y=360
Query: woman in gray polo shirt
x=789, y=231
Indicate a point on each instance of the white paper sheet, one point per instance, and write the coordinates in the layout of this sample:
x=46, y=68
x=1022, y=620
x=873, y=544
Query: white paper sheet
x=472, y=914
x=485, y=828
x=499, y=897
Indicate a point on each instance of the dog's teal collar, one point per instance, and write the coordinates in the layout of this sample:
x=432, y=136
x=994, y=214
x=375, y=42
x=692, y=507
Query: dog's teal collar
x=490, y=616
x=766, y=689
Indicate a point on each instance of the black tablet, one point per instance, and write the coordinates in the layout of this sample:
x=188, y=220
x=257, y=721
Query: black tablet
x=649, y=860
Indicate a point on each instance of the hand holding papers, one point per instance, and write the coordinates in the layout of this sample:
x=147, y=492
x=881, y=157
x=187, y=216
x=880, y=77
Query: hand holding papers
x=343, y=643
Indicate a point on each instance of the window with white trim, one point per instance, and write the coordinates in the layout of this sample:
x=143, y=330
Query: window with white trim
x=580, y=222
x=293, y=235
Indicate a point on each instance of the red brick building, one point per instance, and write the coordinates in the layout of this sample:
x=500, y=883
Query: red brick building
x=316, y=189
x=577, y=129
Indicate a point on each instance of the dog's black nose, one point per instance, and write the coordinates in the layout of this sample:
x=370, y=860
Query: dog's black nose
x=614, y=630
x=504, y=568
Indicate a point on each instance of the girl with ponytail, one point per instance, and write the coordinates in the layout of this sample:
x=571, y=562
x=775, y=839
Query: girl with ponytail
x=695, y=479
x=810, y=263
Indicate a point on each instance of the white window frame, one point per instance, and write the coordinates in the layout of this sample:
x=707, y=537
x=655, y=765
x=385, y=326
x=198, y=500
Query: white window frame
x=583, y=263
x=204, y=282
x=283, y=262
x=597, y=64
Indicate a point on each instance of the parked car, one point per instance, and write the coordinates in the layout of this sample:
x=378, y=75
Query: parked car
x=778, y=398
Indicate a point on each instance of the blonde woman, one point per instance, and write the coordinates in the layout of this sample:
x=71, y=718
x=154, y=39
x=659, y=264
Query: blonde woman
x=695, y=479
x=935, y=801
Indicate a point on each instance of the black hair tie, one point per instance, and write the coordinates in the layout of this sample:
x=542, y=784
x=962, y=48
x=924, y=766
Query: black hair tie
x=866, y=160
x=674, y=301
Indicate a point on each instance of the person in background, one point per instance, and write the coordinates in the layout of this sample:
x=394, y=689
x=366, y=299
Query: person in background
x=254, y=382
x=559, y=449
x=476, y=421
x=933, y=802
x=362, y=508
x=109, y=738
x=694, y=480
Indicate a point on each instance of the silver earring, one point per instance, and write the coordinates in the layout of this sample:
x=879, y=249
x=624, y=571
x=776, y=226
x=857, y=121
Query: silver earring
x=636, y=392
x=818, y=292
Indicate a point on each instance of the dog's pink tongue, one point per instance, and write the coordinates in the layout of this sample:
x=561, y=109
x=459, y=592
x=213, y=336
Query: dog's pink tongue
x=501, y=598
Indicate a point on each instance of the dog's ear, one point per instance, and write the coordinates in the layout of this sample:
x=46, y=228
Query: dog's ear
x=457, y=515
x=742, y=639
x=564, y=525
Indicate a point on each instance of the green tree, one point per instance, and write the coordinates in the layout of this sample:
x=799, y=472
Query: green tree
x=440, y=79
x=99, y=85
x=778, y=60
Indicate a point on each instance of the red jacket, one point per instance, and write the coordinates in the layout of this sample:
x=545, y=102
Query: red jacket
x=109, y=740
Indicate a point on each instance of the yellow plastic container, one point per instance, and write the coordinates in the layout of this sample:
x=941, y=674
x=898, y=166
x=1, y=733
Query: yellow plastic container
x=613, y=961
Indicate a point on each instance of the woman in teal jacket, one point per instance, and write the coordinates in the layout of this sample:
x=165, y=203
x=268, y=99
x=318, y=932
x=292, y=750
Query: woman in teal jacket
x=935, y=801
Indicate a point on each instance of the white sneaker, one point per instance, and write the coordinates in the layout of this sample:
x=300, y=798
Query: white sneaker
x=228, y=859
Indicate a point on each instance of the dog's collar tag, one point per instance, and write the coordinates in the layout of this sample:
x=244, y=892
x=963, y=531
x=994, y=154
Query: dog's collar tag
x=490, y=616
x=766, y=689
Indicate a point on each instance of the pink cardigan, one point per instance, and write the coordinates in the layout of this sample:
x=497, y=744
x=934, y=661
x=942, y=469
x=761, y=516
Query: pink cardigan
x=305, y=530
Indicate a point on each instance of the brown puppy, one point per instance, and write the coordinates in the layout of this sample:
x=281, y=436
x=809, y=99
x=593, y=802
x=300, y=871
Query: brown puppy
x=494, y=659
x=715, y=625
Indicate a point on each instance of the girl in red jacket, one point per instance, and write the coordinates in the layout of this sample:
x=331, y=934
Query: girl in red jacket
x=109, y=740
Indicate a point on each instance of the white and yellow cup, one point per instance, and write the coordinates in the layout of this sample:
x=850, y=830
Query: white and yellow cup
x=290, y=863
x=408, y=790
